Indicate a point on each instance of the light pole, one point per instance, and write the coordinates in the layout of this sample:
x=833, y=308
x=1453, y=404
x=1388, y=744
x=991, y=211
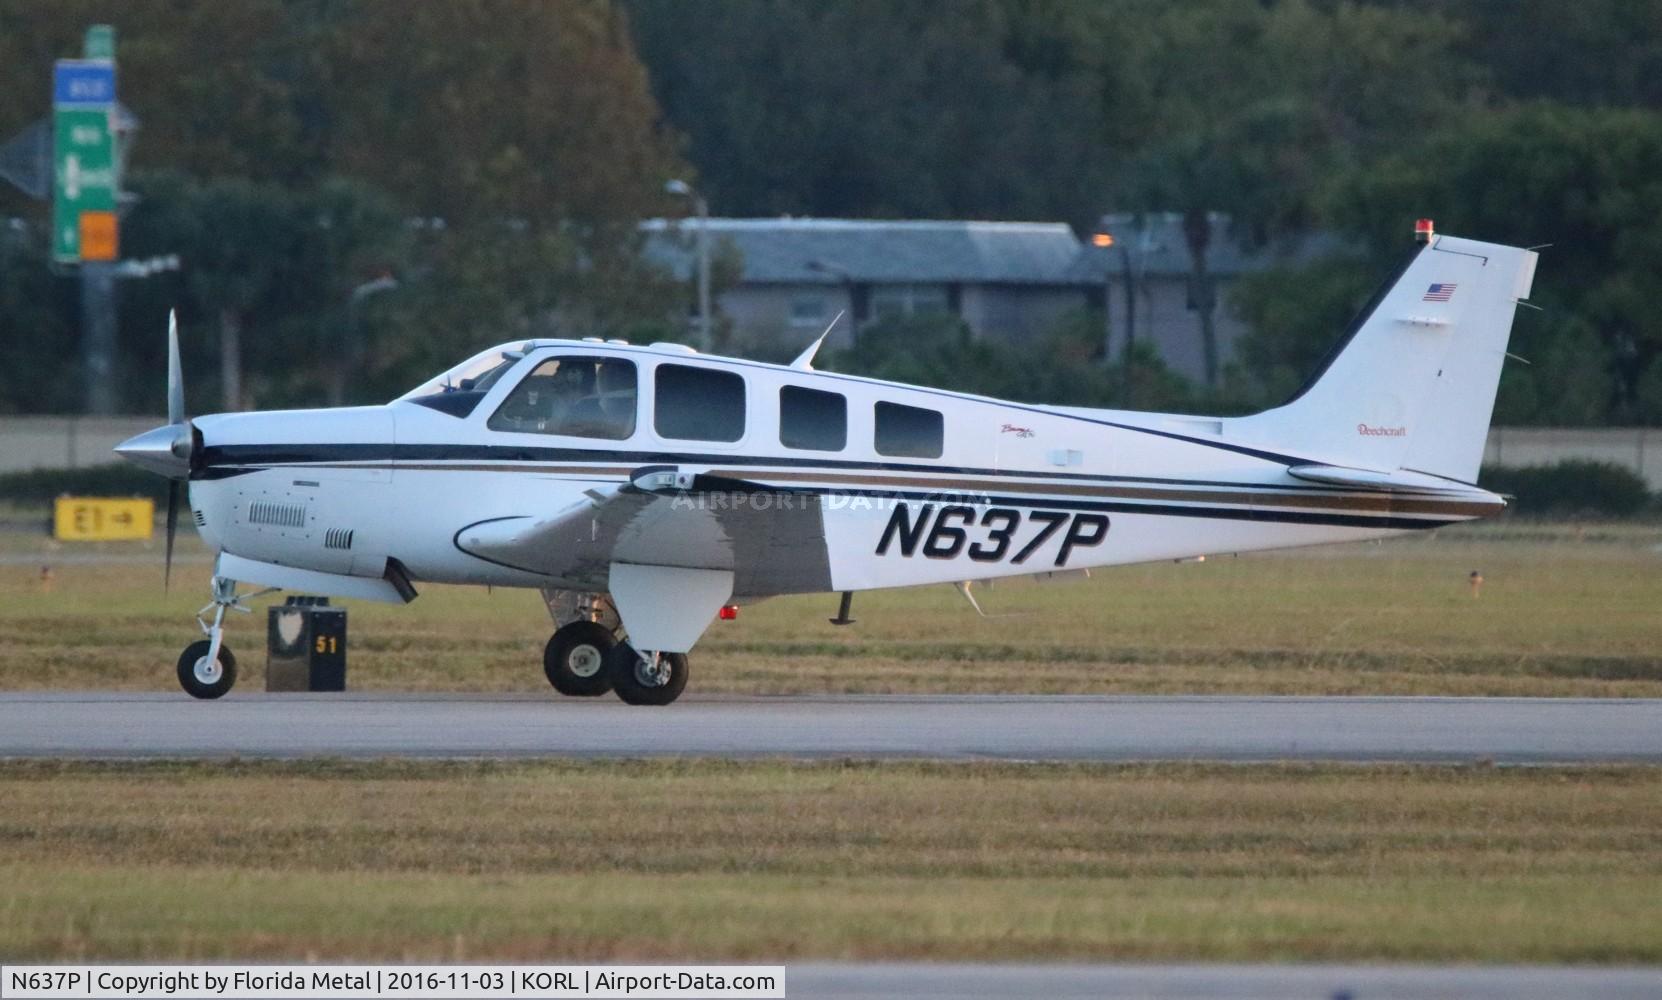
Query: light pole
x=842, y=273
x=354, y=338
x=1102, y=240
x=1133, y=263
x=685, y=190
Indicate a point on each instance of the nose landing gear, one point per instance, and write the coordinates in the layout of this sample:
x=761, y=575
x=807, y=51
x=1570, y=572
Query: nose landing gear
x=207, y=676
x=207, y=669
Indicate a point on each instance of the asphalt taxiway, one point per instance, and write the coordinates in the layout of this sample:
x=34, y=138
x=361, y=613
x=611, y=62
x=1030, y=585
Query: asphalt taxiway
x=1216, y=982
x=255, y=724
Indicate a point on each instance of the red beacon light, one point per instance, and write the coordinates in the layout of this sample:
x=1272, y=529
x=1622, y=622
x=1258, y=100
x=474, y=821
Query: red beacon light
x=1424, y=230
x=729, y=612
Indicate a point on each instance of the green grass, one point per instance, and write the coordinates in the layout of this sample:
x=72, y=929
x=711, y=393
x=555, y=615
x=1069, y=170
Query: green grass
x=774, y=860
x=714, y=860
x=1565, y=610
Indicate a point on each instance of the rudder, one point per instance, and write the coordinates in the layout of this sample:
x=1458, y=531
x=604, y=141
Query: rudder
x=1413, y=385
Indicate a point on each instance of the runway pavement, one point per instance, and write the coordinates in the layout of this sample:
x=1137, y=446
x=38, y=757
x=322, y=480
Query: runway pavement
x=1235, y=982
x=1504, y=730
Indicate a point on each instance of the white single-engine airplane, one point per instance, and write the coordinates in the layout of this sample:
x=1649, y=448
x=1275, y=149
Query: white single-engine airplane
x=644, y=490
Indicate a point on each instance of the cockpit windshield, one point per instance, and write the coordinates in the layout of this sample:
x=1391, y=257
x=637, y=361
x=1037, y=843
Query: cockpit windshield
x=460, y=389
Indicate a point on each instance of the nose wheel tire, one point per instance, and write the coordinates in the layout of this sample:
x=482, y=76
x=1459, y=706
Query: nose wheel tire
x=204, y=679
x=575, y=659
x=648, y=681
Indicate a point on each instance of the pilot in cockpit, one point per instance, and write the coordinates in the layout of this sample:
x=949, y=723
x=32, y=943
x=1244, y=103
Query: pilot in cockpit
x=565, y=396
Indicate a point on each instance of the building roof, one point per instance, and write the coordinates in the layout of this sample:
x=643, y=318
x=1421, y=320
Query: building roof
x=785, y=251
x=876, y=251
x=1158, y=247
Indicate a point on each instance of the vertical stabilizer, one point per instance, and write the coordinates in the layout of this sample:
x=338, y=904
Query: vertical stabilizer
x=1413, y=385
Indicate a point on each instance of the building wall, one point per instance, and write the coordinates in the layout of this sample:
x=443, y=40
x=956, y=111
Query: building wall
x=771, y=313
x=1165, y=320
x=1638, y=448
x=764, y=313
x=1017, y=312
x=65, y=442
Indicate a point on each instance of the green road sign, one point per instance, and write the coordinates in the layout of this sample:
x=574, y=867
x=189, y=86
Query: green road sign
x=85, y=175
x=84, y=185
x=100, y=42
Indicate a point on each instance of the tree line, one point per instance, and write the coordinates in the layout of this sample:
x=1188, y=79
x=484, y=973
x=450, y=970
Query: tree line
x=496, y=157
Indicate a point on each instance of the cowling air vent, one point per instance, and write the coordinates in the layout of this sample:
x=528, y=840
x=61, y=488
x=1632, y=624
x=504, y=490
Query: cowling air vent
x=282, y=515
x=201, y=518
x=338, y=538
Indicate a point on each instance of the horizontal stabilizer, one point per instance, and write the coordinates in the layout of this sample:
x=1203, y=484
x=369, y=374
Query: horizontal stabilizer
x=1401, y=480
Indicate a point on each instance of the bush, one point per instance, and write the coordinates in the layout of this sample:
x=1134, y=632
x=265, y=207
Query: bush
x=115, y=479
x=1571, y=488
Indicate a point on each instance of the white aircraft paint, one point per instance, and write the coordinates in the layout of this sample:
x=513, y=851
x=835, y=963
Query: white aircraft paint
x=360, y=502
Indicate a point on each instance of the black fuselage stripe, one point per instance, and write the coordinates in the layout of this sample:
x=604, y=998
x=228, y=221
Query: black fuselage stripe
x=1259, y=514
x=223, y=461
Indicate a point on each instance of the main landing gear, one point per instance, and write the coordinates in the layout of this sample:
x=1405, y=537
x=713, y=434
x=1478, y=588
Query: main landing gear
x=207, y=669
x=585, y=657
x=575, y=660
x=646, y=678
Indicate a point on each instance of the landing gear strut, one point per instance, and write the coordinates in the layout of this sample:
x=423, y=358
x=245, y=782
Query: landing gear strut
x=575, y=659
x=207, y=669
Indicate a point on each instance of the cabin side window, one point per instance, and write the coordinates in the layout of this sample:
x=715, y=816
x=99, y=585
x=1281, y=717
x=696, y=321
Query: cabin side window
x=909, y=431
x=576, y=397
x=698, y=404
x=812, y=420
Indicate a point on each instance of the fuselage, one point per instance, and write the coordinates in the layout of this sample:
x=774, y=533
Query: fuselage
x=844, y=483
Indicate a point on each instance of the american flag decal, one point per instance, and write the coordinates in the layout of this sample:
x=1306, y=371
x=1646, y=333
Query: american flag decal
x=1439, y=293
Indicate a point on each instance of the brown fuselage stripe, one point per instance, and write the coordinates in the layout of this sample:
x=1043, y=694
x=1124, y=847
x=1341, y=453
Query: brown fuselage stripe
x=1384, y=503
x=1380, y=503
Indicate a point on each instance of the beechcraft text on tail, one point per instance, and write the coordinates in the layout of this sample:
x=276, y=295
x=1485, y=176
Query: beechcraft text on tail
x=645, y=490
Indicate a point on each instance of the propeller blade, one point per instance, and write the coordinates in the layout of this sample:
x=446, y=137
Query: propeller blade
x=175, y=380
x=172, y=528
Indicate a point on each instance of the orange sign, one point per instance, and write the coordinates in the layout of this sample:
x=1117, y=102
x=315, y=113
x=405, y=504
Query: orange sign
x=98, y=240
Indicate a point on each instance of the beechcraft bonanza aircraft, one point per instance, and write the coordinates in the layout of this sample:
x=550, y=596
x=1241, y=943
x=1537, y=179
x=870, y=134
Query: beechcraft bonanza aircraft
x=644, y=490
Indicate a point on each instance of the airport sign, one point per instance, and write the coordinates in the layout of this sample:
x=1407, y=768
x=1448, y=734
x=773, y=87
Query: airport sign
x=85, y=184
x=83, y=83
x=103, y=519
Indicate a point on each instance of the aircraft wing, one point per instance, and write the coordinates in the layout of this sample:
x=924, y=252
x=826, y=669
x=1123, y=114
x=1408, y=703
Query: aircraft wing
x=771, y=539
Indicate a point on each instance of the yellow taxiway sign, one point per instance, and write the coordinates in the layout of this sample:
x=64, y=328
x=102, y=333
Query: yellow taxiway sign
x=103, y=519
